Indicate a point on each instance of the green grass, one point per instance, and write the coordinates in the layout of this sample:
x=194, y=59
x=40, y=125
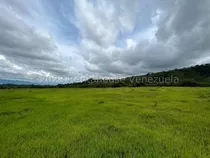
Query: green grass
x=121, y=122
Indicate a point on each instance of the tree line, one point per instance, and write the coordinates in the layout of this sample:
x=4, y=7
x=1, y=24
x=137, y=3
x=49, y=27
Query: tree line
x=198, y=75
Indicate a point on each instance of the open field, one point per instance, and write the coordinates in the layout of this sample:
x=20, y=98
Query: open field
x=121, y=122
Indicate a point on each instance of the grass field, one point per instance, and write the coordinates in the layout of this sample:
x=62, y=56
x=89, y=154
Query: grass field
x=121, y=122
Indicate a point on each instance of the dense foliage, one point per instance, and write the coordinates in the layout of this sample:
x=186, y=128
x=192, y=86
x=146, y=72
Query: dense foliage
x=193, y=76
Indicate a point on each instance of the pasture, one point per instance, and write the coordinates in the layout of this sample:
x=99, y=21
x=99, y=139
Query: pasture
x=107, y=123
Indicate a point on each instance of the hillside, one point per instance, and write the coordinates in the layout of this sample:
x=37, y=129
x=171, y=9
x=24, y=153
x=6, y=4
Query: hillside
x=198, y=75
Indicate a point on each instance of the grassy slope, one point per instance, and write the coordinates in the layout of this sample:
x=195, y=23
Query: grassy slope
x=124, y=122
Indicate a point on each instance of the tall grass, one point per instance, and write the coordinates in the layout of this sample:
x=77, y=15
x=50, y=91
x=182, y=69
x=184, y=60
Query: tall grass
x=122, y=122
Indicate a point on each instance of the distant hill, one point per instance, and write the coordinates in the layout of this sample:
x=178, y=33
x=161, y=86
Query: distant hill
x=198, y=75
x=16, y=82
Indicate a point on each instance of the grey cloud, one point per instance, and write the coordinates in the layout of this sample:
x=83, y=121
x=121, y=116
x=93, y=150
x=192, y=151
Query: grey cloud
x=182, y=38
x=102, y=22
x=189, y=25
x=24, y=46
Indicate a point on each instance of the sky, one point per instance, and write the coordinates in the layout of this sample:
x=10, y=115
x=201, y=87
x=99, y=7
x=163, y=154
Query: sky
x=79, y=39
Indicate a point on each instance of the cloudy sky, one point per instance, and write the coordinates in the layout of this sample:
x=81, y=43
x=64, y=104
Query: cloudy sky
x=101, y=38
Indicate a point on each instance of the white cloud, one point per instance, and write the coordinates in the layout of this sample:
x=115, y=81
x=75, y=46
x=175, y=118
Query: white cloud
x=2, y=57
x=164, y=44
x=95, y=23
x=130, y=43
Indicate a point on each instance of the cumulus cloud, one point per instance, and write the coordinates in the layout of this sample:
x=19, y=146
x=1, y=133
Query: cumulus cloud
x=101, y=38
x=177, y=36
x=26, y=49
